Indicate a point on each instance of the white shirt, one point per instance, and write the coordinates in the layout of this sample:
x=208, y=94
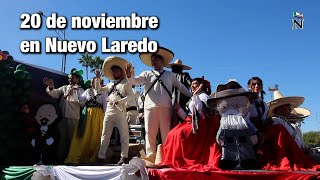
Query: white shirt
x=124, y=88
x=195, y=102
x=71, y=105
x=140, y=101
x=134, y=100
x=158, y=96
x=86, y=95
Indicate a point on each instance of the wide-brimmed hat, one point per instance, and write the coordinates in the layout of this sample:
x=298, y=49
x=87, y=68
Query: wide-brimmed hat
x=299, y=113
x=111, y=61
x=231, y=89
x=163, y=52
x=178, y=62
x=293, y=101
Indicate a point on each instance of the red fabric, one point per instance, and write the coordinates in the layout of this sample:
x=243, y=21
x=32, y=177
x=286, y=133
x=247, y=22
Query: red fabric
x=197, y=152
x=280, y=152
x=200, y=152
x=161, y=174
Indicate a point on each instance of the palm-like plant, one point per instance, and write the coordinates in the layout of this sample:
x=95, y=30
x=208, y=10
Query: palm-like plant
x=96, y=64
x=86, y=61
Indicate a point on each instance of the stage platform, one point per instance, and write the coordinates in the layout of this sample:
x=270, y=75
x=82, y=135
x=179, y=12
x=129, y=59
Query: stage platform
x=167, y=173
x=135, y=170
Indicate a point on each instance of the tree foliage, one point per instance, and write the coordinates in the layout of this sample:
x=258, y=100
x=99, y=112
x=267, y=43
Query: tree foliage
x=86, y=61
x=312, y=138
x=96, y=63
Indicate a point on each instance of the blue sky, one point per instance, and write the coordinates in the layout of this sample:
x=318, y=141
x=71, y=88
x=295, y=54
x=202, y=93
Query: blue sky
x=219, y=39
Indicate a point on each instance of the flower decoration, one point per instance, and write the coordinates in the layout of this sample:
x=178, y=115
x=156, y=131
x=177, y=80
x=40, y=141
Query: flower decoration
x=205, y=82
x=25, y=109
x=3, y=56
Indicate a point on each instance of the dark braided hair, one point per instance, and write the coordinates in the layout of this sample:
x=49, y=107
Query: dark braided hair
x=206, y=85
x=260, y=81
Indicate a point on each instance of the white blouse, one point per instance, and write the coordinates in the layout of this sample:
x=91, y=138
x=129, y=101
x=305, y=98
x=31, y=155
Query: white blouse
x=87, y=94
x=195, y=102
x=158, y=96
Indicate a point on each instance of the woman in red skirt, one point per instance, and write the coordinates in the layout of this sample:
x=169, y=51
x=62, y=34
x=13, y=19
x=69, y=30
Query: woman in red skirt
x=192, y=145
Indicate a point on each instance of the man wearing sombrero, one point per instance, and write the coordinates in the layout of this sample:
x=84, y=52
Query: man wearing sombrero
x=184, y=77
x=282, y=148
x=296, y=118
x=70, y=106
x=285, y=111
x=158, y=96
x=115, y=94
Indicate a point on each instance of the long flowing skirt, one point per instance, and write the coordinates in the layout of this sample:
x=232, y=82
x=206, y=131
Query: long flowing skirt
x=198, y=152
x=85, y=149
x=280, y=151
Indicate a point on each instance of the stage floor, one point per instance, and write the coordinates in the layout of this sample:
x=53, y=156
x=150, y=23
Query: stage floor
x=128, y=172
x=168, y=173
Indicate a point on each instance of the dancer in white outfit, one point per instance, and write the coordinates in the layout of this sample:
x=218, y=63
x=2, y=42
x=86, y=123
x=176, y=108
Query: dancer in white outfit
x=158, y=85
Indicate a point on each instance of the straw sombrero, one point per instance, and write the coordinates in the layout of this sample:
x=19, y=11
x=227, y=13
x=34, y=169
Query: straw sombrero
x=279, y=100
x=111, y=61
x=164, y=52
x=231, y=89
x=299, y=113
x=178, y=62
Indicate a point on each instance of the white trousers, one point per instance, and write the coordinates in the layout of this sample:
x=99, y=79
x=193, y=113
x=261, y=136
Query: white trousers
x=108, y=123
x=156, y=118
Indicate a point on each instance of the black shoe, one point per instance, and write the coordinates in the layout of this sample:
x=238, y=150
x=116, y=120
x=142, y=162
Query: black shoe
x=123, y=160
